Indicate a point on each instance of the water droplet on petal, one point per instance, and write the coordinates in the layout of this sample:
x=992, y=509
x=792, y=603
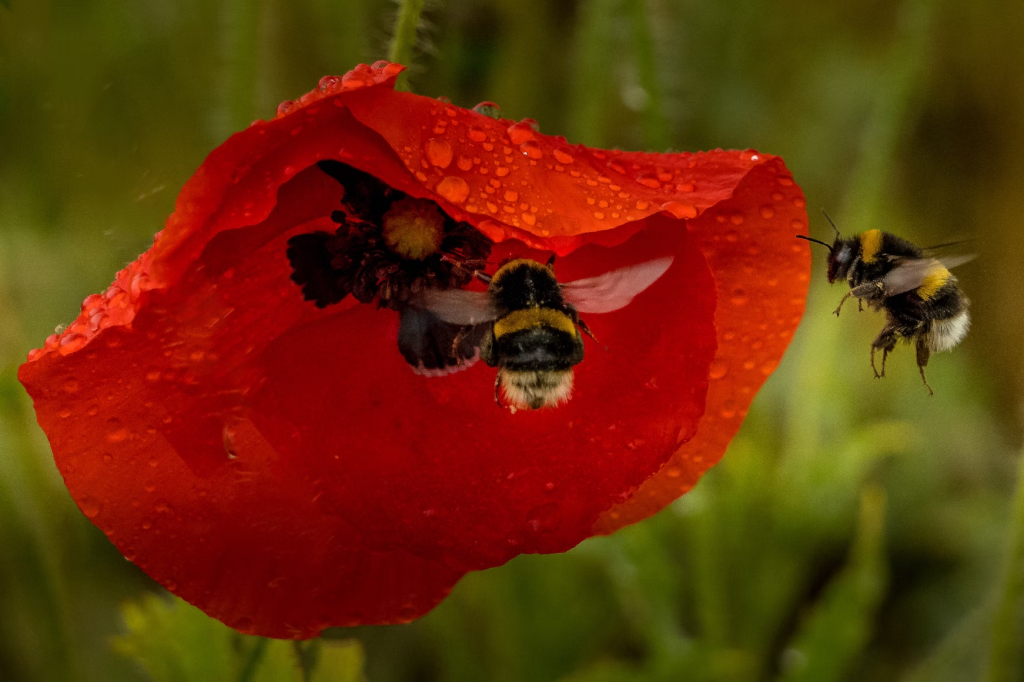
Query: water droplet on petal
x=767, y=212
x=284, y=107
x=563, y=157
x=489, y=109
x=521, y=132
x=680, y=209
x=90, y=507
x=718, y=369
x=477, y=135
x=510, y=195
x=329, y=82
x=452, y=188
x=529, y=218
x=531, y=149
x=71, y=342
x=648, y=180
x=438, y=151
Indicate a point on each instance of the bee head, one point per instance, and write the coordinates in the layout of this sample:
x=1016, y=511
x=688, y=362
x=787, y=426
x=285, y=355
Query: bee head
x=840, y=253
x=843, y=253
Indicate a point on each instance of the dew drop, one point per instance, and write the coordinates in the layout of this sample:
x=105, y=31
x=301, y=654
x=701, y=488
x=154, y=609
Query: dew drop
x=599, y=215
x=70, y=385
x=501, y=171
x=464, y=163
x=71, y=342
x=438, y=151
x=532, y=150
x=728, y=409
x=329, y=82
x=649, y=180
x=673, y=472
x=680, y=209
x=477, y=135
x=64, y=414
x=510, y=195
x=521, y=132
x=718, y=369
x=284, y=107
x=529, y=218
x=90, y=507
x=452, y=188
x=642, y=205
x=489, y=109
x=117, y=436
x=563, y=157
x=738, y=297
x=767, y=212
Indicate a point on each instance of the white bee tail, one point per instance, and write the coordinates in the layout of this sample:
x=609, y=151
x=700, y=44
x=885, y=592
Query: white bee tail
x=945, y=334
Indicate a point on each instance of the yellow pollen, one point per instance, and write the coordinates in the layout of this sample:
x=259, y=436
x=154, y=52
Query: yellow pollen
x=414, y=228
x=871, y=244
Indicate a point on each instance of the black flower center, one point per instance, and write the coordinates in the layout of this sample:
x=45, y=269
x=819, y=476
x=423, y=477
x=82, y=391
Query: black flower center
x=388, y=246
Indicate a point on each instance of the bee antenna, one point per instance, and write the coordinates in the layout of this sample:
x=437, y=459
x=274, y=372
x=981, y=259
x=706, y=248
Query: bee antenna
x=816, y=241
x=830, y=222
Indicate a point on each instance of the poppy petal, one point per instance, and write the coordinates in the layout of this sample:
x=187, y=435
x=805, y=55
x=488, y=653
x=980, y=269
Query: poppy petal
x=283, y=468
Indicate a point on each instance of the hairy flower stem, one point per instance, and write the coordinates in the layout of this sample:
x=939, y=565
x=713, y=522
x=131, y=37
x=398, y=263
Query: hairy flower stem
x=404, y=37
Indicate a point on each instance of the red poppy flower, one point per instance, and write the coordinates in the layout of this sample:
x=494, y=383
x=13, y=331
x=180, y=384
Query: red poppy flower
x=253, y=437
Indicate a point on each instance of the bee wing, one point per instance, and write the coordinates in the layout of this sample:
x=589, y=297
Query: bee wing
x=615, y=289
x=910, y=274
x=458, y=306
x=433, y=347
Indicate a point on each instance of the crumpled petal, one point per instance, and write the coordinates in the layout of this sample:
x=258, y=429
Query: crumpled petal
x=281, y=467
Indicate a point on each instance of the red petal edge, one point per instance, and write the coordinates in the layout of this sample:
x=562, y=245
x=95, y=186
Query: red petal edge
x=280, y=466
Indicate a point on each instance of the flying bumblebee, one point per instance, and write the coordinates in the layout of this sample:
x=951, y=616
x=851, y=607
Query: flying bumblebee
x=526, y=324
x=921, y=299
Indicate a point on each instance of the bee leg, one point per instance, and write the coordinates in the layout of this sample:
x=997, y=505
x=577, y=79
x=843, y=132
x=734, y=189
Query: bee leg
x=860, y=305
x=455, y=345
x=923, y=353
x=551, y=261
x=497, y=387
x=886, y=341
x=586, y=330
x=836, y=311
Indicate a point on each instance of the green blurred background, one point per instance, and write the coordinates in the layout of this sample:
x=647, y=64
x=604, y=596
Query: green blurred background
x=856, y=529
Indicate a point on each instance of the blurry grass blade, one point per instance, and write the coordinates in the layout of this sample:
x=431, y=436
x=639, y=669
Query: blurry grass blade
x=241, y=48
x=404, y=37
x=958, y=656
x=656, y=128
x=891, y=116
x=592, y=82
x=1007, y=643
x=175, y=642
x=839, y=627
x=339, y=662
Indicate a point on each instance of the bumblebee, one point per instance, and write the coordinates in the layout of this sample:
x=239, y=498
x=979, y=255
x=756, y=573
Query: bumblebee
x=918, y=293
x=526, y=324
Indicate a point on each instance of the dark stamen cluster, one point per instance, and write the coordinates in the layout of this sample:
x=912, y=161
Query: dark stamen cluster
x=356, y=260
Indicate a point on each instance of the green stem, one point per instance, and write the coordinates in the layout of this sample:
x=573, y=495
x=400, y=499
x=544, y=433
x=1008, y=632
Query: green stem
x=404, y=38
x=1007, y=641
x=241, y=47
x=252, y=660
x=656, y=126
